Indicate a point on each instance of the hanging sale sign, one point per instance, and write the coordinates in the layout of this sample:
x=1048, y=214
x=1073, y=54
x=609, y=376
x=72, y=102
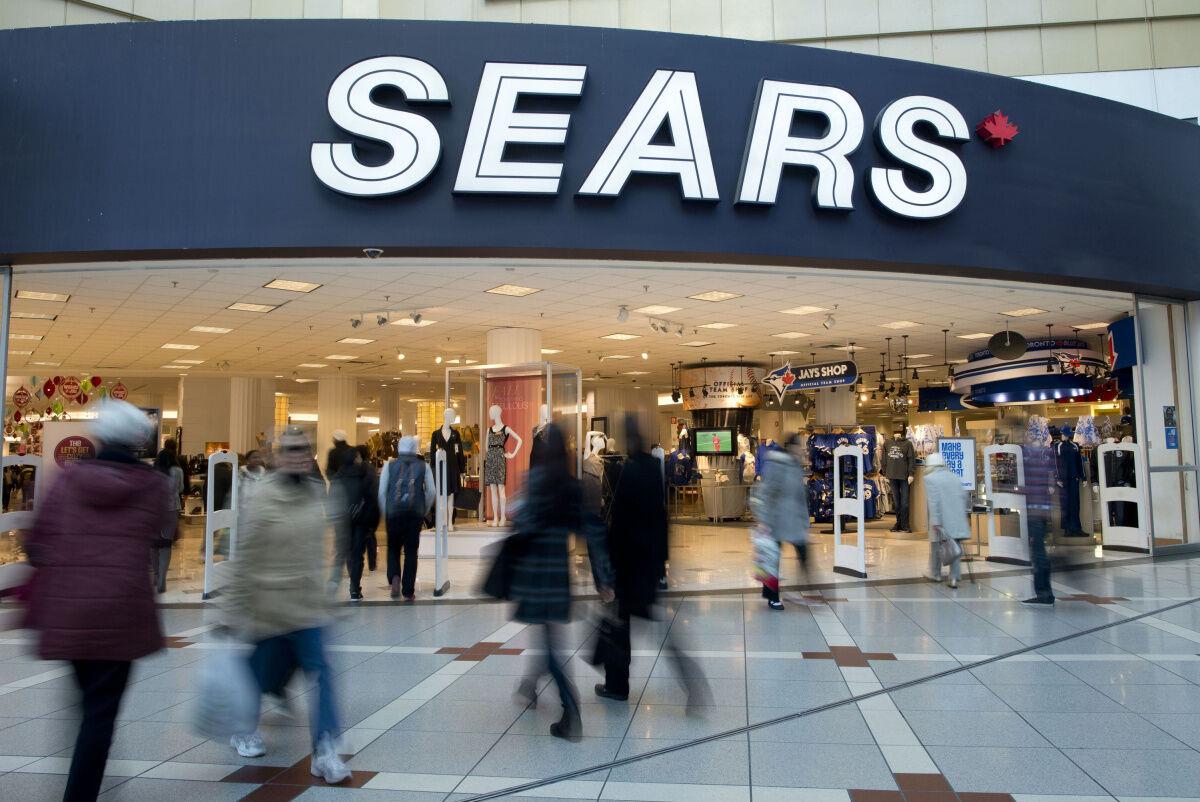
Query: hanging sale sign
x=21, y=397
x=71, y=388
x=119, y=391
x=788, y=379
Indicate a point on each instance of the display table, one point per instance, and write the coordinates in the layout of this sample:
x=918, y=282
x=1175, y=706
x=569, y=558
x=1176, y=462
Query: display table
x=723, y=500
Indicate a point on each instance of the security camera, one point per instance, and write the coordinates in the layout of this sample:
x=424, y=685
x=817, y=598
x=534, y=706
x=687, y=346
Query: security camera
x=416, y=318
x=355, y=322
x=372, y=253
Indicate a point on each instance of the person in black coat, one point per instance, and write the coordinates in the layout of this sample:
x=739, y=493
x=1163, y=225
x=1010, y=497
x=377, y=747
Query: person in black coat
x=541, y=583
x=355, y=488
x=637, y=546
x=1069, y=467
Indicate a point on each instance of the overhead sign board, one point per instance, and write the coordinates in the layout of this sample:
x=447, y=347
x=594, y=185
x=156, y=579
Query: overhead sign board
x=788, y=379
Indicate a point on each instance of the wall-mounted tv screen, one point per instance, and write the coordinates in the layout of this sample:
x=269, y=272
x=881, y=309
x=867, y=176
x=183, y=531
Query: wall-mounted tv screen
x=714, y=442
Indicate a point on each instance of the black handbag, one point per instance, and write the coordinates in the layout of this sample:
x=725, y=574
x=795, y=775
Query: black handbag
x=499, y=580
x=607, y=650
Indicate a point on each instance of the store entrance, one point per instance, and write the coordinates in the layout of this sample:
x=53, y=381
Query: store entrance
x=720, y=366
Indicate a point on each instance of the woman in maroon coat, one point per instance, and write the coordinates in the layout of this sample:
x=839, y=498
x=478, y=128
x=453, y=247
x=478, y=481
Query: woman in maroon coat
x=91, y=600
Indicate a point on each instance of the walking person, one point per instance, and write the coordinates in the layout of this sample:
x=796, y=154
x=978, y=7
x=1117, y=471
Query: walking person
x=358, y=490
x=277, y=594
x=167, y=463
x=1038, y=461
x=406, y=495
x=90, y=598
x=780, y=504
x=637, y=549
x=553, y=508
x=946, y=507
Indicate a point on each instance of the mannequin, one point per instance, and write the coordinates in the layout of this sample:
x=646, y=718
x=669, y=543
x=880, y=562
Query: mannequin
x=535, y=448
x=899, y=466
x=495, y=465
x=448, y=439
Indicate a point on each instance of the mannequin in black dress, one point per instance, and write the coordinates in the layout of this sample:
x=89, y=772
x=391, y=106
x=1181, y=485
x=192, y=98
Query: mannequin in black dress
x=449, y=440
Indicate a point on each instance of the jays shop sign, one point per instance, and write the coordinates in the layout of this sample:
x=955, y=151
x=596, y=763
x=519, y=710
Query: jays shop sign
x=788, y=379
x=663, y=133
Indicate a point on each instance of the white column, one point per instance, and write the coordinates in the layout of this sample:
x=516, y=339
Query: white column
x=203, y=412
x=251, y=412
x=408, y=418
x=510, y=346
x=389, y=409
x=836, y=408
x=337, y=398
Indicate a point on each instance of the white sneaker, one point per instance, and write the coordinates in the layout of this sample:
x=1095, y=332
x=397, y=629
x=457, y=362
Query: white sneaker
x=248, y=745
x=327, y=764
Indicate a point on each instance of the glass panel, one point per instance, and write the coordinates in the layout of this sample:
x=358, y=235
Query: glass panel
x=1165, y=401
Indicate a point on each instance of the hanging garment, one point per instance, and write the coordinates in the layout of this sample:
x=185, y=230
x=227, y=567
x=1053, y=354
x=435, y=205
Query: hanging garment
x=495, y=464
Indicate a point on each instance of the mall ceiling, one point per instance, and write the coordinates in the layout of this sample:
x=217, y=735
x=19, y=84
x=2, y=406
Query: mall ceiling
x=147, y=319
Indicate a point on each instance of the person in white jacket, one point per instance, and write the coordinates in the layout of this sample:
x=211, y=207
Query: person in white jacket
x=406, y=494
x=946, y=504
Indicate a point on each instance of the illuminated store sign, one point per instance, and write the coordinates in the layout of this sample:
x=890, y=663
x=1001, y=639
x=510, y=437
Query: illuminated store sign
x=670, y=103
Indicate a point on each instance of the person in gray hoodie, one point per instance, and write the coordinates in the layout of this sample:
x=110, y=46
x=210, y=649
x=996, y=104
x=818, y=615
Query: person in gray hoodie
x=780, y=503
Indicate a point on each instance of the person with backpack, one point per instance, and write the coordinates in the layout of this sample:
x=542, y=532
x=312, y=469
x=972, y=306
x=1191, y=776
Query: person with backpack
x=406, y=494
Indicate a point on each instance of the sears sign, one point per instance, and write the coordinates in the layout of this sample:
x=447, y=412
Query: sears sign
x=668, y=102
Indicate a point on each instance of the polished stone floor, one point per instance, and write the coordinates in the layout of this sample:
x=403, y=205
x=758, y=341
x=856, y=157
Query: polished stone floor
x=426, y=698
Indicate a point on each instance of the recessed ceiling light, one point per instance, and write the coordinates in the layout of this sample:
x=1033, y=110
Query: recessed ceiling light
x=657, y=309
x=35, y=337
x=1026, y=312
x=291, y=286
x=339, y=357
x=408, y=321
x=513, y=290
x=31, y=295
x=615, y=356
x=244, y=306
x=635, y=373
x=313, y=365
x=33, y=316
x=551, y=351
x=174, y=366
x=179, y=347
x=49, y=364
x=781, y=353
x=355, y=341
x=803, y=310
x=471, y=362
x=414, y=370
x=847, y=348
x=958, y=361
x=620, y=336
x=190, y=361
x=716, y=325
x=791, y=335
x=1086, y=326
x=696, y=344
x=304, y=381
x=919, y=356
x=20, y=353
x=715, y=295
x=979, y=335
x=899, y=324
x=210, y=330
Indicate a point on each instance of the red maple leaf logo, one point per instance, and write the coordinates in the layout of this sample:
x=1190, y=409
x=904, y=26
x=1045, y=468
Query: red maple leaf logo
x=788, y=378
x=996, y=129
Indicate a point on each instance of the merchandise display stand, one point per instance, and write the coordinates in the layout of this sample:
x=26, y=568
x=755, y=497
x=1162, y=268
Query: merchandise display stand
x=1004, y=544
x=216, y=520
x=849, y=559
x=20, y=519
x=441, y=528
x=1122, y=537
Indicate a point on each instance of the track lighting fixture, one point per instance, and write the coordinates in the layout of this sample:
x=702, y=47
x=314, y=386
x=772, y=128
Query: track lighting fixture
x=355, y=322
x=704, y=391
x=654, y=325
x=915, y=374
x=416, y=318
x=892, y=389
x=1050, y=365
x=691, y=392
x=383, y=320
x=622, y=313
x=676, y=396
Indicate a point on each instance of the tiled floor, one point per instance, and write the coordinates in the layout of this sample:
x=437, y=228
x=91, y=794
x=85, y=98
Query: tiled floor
x=426, y=695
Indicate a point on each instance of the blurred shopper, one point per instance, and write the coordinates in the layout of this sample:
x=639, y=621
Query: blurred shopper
x=255, y=468
x=90, y=598
x=167, y=463
x=946, y=506
x=277, y=597
x=370, y=543
x=552, y=509
x=637, y=546
x=355, y=490
x=780, y=504
x=341, y=454
x=406, y=495
x=1039, y=467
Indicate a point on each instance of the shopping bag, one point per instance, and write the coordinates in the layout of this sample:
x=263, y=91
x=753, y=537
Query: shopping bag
x=608, y=650
x=766, y=558
x=228, y=698
x=498, y=583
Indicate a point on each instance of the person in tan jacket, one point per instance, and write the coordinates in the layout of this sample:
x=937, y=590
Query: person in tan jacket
x=278, y=592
